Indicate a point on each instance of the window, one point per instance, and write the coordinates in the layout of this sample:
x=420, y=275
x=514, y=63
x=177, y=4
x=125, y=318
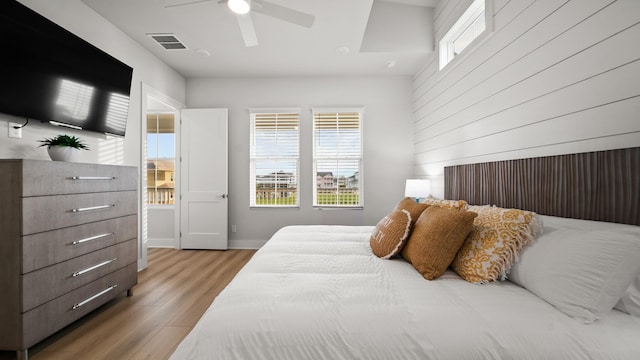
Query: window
x=274, y=157
x=337, y=157
x=468, y=28
x=161, y=158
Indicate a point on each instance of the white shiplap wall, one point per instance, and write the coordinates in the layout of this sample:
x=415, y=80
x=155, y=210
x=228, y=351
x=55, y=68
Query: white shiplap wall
x=554, y=77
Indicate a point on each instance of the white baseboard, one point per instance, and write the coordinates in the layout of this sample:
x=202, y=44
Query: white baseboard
x=246, y=244
x=233, y=244
x=161, y=243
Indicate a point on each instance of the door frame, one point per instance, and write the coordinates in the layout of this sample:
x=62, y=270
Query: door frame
x=146, y=92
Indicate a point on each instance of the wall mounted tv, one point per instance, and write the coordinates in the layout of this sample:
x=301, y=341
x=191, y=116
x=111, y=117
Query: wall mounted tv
x=52, y=75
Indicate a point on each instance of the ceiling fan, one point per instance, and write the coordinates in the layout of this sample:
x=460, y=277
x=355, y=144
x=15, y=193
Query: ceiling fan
x=243, y=9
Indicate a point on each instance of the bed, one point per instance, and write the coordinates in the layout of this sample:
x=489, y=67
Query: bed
x=318, y=292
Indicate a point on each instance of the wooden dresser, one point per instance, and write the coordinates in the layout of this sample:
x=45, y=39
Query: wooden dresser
x=68, y=244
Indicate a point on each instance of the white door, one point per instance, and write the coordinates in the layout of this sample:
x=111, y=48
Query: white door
x=203, y=179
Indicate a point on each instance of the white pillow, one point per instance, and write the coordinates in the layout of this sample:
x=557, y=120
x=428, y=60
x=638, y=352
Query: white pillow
x=630, y=301
x=581, y=267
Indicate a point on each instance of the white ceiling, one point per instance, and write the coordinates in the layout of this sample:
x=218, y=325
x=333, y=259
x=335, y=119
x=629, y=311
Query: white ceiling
x=398, y=30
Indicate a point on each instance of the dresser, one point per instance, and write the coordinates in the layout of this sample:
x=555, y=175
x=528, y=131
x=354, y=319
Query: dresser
x=68, y=244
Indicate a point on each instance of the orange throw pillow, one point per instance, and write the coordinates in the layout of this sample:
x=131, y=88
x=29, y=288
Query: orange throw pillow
x=436, y=238
x=390, y=234
x=414, y=208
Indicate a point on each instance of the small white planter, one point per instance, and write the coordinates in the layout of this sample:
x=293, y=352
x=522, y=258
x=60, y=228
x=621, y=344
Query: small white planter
x=64, y=153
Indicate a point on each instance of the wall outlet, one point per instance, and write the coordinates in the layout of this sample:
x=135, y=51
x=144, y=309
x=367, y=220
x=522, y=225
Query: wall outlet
x=13, y=132
x=233, y=228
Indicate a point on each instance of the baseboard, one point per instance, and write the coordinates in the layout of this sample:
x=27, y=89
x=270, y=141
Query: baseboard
x=233, y=244
x=161, y=243
x=246, y=244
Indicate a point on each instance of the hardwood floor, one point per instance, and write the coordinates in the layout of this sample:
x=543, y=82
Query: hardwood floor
x=171, y=295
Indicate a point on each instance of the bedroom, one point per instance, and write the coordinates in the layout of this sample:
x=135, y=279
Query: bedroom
x=554, y=69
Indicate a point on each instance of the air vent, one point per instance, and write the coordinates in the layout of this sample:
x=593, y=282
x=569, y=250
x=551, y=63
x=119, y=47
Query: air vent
x=168, y=41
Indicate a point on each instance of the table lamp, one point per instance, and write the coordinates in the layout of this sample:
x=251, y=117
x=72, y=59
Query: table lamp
x=417, y=188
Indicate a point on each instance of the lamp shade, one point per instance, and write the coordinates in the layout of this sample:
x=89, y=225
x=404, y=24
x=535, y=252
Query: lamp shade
x=239, y=6
x=417, y=188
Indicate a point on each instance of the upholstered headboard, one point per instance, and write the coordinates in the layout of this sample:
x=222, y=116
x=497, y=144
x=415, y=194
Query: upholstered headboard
x=601, y=185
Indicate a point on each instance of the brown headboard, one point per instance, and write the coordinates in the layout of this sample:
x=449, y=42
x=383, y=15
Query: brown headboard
x=600, y=185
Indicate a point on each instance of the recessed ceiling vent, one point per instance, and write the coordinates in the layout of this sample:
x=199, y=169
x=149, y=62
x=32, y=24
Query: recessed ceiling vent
x=168, y=41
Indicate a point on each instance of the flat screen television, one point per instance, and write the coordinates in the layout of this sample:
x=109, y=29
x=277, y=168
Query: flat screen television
x=51, y=75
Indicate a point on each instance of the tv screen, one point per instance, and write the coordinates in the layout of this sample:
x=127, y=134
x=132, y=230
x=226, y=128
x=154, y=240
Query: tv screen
x=51, y=75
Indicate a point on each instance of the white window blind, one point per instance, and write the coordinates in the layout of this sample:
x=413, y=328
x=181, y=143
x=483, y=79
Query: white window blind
x=274, y=158
x=337, y=157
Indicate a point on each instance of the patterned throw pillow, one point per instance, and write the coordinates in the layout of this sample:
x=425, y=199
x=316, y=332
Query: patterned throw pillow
x=414, y=208
x=436, y=238
x=497, y=236
x=390, y=234
x=447, y=204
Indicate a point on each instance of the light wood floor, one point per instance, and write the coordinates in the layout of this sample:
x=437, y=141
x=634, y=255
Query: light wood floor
x=171, y=295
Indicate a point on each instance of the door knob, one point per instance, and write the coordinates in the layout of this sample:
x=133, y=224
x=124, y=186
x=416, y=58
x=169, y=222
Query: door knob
x=224, y=196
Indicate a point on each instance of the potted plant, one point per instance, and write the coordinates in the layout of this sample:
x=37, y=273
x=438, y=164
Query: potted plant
x=63, y=147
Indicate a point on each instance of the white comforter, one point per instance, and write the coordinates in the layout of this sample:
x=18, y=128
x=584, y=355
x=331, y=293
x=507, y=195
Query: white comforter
x=317, y=292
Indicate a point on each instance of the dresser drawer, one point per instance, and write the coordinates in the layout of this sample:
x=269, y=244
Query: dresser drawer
x=47, y=248
x=46, y=284
x=45, y=213
x=54, y=315
x=56, y=178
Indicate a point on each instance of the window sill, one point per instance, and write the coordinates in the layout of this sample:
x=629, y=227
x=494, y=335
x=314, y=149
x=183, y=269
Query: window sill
x=338, y=207
x=274, y=207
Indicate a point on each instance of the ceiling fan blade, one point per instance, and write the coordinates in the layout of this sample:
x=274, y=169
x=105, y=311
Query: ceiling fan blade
x=176, y=3
x=247, y=29
x=283, y=13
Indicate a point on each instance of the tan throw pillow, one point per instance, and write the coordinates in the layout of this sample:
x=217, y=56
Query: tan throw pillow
x=493, y=245
x=436, y=238
x=448, y=204
x=390, y=234
x=414, y=208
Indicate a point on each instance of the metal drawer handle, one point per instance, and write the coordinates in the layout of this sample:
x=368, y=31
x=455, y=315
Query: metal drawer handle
x=89, y=299
x=93, y=208
x=93, y=178
x=78, y=242
x=78, y=273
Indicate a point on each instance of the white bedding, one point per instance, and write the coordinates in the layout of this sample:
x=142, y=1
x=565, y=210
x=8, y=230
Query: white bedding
x=318, y=292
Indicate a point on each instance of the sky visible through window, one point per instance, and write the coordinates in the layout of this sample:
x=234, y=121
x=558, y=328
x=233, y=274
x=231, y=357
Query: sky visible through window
x=327, y=143
x=276, y=145
x=337, y=143
x=330, y=144
x=161, y=146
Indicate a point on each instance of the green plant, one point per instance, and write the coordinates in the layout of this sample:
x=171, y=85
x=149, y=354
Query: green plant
x=64, y=140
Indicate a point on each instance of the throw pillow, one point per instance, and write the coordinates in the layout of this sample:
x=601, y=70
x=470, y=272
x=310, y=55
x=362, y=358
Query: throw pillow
x=435, y=239
x=448, y=204
x=390, y=234
x=414, y=208
x=497, y=236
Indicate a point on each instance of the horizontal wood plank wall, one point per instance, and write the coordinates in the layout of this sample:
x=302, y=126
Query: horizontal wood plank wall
x=554, y=77
x=602, y=185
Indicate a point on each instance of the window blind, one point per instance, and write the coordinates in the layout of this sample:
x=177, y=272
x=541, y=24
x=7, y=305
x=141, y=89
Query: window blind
x=337, y=158
x=274, y=158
